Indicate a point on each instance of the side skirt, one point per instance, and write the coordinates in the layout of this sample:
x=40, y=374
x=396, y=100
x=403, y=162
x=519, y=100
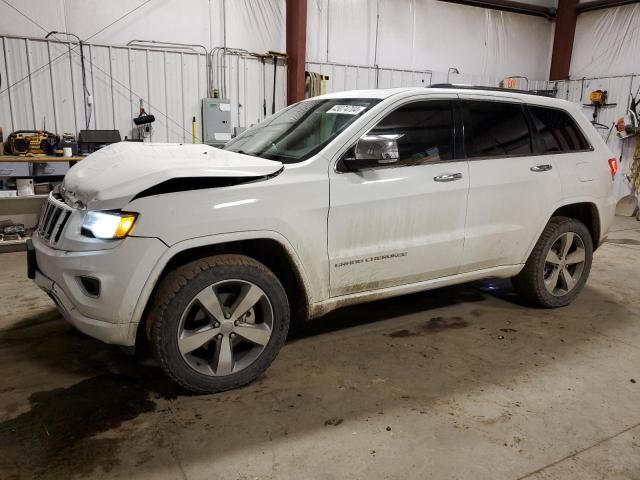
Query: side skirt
x=326, y=306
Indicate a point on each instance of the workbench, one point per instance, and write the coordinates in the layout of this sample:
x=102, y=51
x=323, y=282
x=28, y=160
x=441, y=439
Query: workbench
x=36, y=159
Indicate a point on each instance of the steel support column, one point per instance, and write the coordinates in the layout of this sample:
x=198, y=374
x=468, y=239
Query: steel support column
x=563, y=39
x=296, y=15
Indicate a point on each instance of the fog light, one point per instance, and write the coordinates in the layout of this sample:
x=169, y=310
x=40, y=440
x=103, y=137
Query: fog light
x=90, y=285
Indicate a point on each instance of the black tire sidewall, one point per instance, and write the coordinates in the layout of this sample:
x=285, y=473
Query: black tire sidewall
x=165, y=328
x=581, y=230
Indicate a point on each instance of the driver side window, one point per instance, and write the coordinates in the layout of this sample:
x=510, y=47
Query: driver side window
x=423, y=131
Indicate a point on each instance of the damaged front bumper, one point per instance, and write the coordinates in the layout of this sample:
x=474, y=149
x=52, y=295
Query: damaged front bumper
x=116, y=333
x=120, y=273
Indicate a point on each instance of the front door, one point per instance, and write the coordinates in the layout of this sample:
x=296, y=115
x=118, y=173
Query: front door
x=400, y=223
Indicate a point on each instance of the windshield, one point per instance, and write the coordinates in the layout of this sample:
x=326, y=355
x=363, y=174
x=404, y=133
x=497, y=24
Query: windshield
x=301, y=130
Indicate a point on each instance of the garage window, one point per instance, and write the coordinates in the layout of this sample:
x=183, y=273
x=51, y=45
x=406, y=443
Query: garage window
x=557, y=131
x=496, y=129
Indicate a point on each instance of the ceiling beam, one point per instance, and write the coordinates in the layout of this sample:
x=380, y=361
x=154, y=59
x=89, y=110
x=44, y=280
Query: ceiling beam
x=510, y=6
x=601, y=4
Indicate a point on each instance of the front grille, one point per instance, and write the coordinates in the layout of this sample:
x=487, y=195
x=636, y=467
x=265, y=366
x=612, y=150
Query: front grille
x=53, y=218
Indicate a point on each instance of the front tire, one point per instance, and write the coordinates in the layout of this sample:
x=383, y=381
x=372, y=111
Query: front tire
x=218, y=323
x=558, y=266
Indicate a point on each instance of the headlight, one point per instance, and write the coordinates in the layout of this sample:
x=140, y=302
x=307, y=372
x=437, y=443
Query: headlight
x=109, y=225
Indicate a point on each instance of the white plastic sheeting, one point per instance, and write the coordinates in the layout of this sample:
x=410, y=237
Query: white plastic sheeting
x=51, y=95
x=428, y=35
x=171, y=85
x=256, y=25
x=607, y=42
x=618, y=90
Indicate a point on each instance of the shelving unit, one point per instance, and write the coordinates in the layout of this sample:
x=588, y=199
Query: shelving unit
x=26, y=197
x=25, y=209
x=7, y=246
x=37, y=159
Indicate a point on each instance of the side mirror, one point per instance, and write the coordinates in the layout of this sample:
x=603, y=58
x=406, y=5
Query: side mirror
x=372, y=151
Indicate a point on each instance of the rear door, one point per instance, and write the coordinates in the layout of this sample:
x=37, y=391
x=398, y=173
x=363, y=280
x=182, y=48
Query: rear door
x=512, y=189
x=584, y=171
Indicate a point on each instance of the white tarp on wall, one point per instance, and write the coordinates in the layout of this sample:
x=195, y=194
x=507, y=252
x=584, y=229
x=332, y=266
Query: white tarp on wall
x=256, y=25
x=170, y=83
x=607, y=43
x=428, y=35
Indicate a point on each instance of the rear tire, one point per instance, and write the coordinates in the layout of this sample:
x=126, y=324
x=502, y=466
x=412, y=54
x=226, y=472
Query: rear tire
x=218, y=323
x=559, y=265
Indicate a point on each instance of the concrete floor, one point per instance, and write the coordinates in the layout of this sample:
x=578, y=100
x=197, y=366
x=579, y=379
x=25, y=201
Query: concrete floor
x=456, y=383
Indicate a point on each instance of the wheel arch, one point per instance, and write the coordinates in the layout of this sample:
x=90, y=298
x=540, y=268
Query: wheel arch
x=584, y=210
x=587, y=213
x=270, y=249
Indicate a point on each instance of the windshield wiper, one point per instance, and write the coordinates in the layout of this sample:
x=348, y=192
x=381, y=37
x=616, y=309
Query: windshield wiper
x=244, y=153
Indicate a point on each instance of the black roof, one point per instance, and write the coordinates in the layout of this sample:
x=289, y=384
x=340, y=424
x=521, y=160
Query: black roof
x=543, y=93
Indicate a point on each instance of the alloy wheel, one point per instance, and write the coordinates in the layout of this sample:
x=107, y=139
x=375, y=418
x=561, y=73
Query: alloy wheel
x=225, y=327
x=564, y=264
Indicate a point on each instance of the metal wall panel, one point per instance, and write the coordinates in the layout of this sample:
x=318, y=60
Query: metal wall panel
x=44, y=113
x=139, y=81
x=47, y=88
x=158, y=93
x=6, y=112
x=17, y=71
x=357, y=77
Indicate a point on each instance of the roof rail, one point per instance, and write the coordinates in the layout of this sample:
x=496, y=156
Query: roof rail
x=542, y=93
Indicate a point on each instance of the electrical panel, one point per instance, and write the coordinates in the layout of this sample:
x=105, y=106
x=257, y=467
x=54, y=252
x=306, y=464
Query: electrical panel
x=216, y=121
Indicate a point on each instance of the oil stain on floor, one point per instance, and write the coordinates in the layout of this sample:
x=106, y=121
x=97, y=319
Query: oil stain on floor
x=623, y=241
x=433, y=325
x=56, y=436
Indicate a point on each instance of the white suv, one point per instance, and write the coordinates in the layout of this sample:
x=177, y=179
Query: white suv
x=205, y=253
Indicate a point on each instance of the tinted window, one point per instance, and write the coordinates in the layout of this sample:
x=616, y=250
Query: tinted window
x=557, y=131
x=496, y=128
x=422, y=130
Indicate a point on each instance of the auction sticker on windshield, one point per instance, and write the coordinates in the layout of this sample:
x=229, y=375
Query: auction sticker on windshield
x=346, y=109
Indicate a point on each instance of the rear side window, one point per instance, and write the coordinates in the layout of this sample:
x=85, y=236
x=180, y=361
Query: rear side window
x=496, y=129
x=423, y=131
x=557, y=131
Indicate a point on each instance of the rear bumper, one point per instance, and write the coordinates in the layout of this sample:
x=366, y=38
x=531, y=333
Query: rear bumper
x=607, y=214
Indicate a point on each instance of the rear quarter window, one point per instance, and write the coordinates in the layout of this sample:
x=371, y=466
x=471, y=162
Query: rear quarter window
x=557, y=131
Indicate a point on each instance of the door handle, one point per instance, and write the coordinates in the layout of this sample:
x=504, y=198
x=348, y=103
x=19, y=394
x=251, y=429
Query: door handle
x=541, y=168
x=448, y=177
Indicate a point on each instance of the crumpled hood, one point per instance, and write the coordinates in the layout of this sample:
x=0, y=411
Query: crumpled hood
x=112, y=176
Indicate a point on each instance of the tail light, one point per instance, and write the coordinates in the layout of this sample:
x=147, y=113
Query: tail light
x=613, y=165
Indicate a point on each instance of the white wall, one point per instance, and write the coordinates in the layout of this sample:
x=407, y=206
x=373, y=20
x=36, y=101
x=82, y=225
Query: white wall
x=170, y=84
x=429, y=35
x=256, y=25
x=413, y=35
x=607, y=44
